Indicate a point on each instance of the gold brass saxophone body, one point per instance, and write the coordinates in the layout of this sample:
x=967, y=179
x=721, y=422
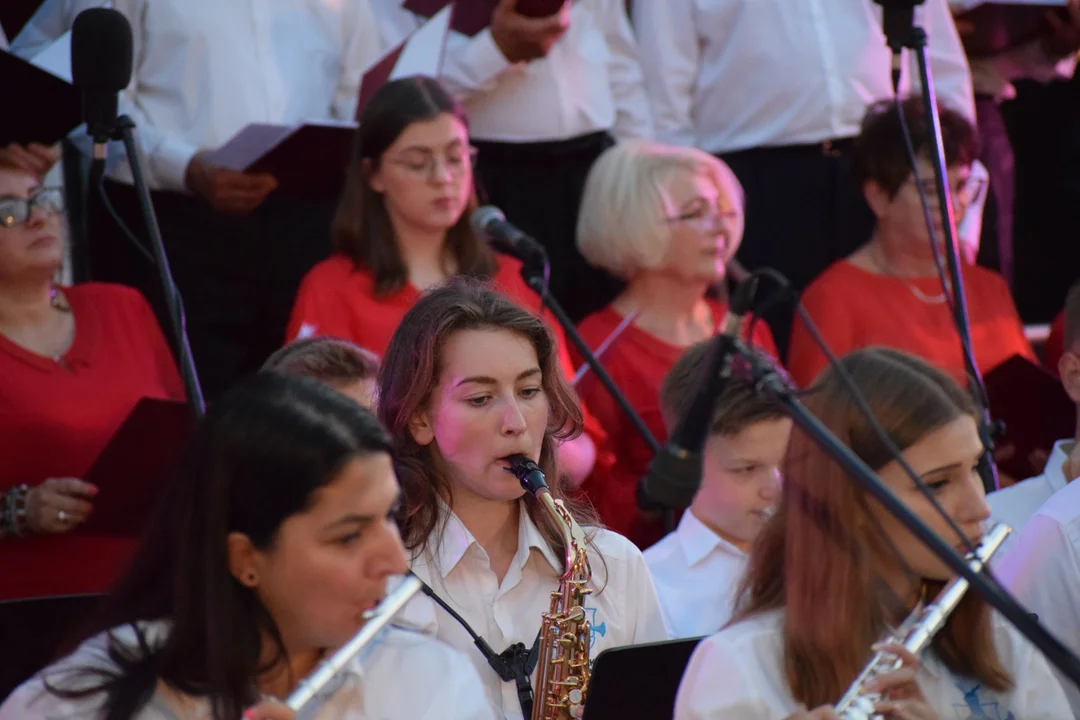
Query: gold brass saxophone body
x=564, y=665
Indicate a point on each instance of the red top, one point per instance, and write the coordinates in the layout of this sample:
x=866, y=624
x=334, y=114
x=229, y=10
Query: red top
x=854, y=308
x=1055, y=344
x=55, y=418
x=637, y=362
x=337, y=299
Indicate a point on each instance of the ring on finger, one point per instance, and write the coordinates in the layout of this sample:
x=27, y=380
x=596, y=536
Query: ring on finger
x=62, y=516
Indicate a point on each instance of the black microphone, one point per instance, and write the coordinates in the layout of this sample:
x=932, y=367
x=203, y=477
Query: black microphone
x=101, y=61
x=489, y=221
x=897, y=24
x=674, y=474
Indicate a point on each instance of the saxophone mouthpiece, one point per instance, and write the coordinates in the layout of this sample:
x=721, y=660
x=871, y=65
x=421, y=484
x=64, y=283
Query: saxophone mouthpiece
x=527, y=472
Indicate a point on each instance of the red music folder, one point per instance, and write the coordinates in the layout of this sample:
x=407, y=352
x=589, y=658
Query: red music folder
x=991, y=27
x=134, y=468
x=1036, y=411
x=38, y=106
x=304, y=158
x=473, y=16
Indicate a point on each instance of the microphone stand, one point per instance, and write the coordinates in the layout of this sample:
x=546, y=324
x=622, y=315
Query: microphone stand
x=901, y=32
x=124, y=131
x=532, y=272
x=766, y=379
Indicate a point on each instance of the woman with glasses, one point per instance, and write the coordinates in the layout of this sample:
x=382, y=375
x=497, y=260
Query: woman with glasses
x=402, y=226
x=667, y=220
x=889, y=292
x=74, y=361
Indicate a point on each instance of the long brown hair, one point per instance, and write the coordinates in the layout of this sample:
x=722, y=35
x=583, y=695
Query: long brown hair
x=835, y=602
x=410, y=373
x=361, y=229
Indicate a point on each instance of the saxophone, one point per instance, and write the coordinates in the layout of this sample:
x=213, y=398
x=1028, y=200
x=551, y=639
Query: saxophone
x=916, y=633
x=562, y=676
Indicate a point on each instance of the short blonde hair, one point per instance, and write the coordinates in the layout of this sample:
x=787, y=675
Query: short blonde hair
x=622, y=227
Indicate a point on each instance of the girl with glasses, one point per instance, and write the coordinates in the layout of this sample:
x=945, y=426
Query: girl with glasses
x=402, y=226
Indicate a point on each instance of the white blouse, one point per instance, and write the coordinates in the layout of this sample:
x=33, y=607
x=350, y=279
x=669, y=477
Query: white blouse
x=622, y=610
x=382, y=687
x=738, y=674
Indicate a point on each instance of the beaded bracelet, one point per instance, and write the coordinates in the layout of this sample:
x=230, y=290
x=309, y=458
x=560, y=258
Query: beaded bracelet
x=15, y=510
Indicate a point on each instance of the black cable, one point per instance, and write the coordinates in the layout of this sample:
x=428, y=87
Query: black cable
x=104, y=195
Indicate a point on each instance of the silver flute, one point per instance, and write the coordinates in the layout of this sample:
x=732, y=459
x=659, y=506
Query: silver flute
x=916, y=633
x=377, y=618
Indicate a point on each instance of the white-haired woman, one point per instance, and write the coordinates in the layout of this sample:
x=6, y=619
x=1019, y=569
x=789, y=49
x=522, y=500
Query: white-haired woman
x=667, y=220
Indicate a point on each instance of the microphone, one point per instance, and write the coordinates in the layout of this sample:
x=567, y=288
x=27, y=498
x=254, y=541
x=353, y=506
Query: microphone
x=897, y=24
x=489, y=221
x=101, y=62
x=674, y=474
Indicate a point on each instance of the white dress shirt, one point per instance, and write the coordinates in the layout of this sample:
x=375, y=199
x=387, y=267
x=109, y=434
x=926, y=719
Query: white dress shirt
x=1042, y=568
x=726, y=75
x=590, y=81
x=622, y=610
x=1016, y=504
x=382, y=687
x=696, y=573
x=204, y=69
x=739, y=674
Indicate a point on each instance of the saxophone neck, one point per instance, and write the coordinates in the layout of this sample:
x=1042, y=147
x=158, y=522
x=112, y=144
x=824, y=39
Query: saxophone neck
x=574, y=539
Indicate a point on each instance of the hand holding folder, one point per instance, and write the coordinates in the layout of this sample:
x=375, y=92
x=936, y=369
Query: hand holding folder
x=303, y=158
x=473, y=16
x=134, y=468
x=1035, y=410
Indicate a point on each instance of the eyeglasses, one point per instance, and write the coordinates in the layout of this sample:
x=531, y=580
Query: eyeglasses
x=704, y=216
x=425, y=164
x=16, y=210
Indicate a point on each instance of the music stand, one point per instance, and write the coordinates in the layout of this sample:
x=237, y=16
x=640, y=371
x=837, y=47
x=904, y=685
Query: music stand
x=652, y=670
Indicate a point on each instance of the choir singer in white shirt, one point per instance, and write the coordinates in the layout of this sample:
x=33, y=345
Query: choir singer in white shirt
x=545, y=96
x=273, y=541
x=832, y=573
x=468, y=380
x=1042, y=565
x=697, y=568
x=204, y=70
x=778, y=90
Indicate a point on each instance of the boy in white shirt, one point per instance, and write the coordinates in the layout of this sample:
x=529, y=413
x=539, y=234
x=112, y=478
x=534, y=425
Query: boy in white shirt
x=1019, y=503
x=1042, y=565
x=697, y=568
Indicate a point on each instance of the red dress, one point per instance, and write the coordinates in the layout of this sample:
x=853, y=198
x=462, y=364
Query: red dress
x=56, y=417
x=854, y=308
x=637, y=362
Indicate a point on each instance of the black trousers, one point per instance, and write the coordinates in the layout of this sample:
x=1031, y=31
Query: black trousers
x=538, y=186
x=996, y=153
x=803, y=212
x=237, y=276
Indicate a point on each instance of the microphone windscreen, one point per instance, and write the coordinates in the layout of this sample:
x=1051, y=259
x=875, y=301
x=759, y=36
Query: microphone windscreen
x=101, y=51
x=481, y=216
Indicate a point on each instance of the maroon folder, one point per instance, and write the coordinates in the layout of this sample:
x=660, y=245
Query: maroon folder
x=14, y=14
x=134, y=468
x=305, y=159
x=998, y=27
x=1036, y=412
x=473, y=16
x=37, y=105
